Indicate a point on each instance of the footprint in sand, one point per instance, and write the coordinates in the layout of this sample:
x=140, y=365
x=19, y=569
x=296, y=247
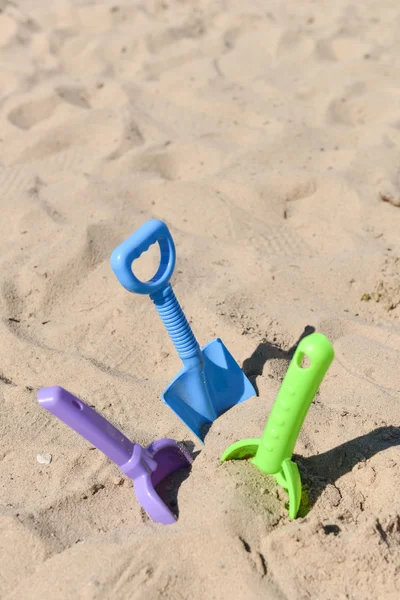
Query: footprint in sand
x=26, y=116
x=77, y=96
x=364, y=104
x=76, y=270
x=180, y=161
x=80, y=138
x=160, y=42
x=294, y=46
x=324, y=50
x=21, y=297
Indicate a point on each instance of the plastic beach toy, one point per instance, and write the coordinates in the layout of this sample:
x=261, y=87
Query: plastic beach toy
x=145, y=466
x=273, y=452
x=210, y=381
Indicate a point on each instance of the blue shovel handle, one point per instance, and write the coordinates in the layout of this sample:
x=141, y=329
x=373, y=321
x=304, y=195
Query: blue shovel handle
x=132, y=248
x=157, y=287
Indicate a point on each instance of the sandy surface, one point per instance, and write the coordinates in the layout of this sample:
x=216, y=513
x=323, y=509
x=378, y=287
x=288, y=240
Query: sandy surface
x=266, y=134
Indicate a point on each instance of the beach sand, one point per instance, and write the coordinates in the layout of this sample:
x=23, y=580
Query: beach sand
x=266, y=135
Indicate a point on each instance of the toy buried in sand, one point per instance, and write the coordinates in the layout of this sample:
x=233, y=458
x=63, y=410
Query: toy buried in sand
x=145, y=466
x=273, y=452
x=210, y=381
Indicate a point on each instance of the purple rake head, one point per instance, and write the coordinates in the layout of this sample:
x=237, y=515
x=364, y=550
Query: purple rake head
x=145, y=466
x=148, y=466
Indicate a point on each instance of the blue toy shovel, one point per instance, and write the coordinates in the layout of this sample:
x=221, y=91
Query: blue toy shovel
x=210, y=381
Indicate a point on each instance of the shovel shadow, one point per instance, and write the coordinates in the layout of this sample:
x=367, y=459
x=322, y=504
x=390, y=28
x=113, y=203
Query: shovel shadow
x=254, y=365
x=319, y=471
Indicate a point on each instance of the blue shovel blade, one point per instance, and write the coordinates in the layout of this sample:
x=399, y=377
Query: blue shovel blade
x=198, y=395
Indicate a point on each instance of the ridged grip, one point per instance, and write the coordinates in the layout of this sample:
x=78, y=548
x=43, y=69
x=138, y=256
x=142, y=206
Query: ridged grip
x=293, y=401
x=176, y=323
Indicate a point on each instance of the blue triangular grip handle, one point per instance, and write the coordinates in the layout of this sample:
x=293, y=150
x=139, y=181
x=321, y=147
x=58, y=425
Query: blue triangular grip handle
x=157, y=287
x=122, y=258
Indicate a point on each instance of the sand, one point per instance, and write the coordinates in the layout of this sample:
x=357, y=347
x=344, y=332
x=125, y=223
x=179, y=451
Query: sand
x=266, y=134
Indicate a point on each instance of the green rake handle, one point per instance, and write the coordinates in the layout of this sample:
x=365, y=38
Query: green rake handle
x=297, y=391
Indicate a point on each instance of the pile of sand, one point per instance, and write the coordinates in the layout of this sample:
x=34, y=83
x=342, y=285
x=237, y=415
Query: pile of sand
x=266, y=135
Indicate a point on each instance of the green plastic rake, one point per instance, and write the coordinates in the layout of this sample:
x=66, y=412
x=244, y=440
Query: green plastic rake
x=273, y=452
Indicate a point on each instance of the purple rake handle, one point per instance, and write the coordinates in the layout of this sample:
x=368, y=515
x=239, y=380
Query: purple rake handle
x=88, y=423
x=145, y=466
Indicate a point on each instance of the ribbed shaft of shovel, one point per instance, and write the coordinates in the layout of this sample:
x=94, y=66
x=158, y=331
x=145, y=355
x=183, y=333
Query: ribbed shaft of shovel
x=176, y=323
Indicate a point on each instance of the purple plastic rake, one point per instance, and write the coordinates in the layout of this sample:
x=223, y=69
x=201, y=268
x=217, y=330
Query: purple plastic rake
x=145, y=466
